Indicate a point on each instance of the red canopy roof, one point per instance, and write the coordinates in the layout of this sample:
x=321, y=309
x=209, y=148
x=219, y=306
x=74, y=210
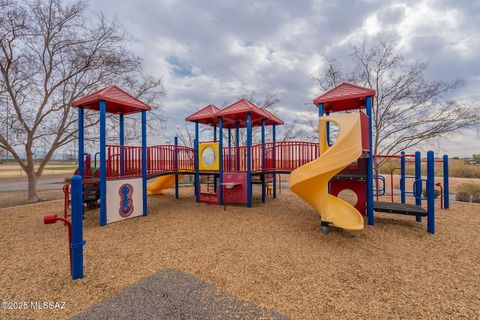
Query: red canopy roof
x=206, y=115
x=117, y=101
x=345, y=96
x=237, y=112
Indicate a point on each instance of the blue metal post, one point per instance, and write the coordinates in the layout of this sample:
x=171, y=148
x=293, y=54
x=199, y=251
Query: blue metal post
x=418, y=182
x=197, y=167
x=327, y=126
x=249, y=162
x=431, y=192
x=446, y=187
x=264, y=186
x=402, y=177
x=370, y=212
x=237, y=143
x=122, y=143
x=77, y=227
x=144, y=160
x=103, y=161
x=175, y=159
x=321, y=110
x=274, y=156
x=80, y=142
x=215, y=133
x=220, y=158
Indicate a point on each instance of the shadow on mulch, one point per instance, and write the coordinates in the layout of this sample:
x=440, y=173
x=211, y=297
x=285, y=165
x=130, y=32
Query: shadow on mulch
x=172, y=294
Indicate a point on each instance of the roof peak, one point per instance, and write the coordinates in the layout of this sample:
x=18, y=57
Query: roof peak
x=117, y=100
x=344, y=92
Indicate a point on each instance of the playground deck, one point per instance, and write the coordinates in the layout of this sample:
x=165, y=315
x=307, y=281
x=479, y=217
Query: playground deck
x=399, y=208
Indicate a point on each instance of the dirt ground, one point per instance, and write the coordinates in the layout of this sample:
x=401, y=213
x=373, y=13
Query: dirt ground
x=273, y=255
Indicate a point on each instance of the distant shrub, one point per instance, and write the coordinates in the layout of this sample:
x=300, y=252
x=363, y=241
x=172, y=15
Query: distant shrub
x=462, y=196
x=468, y=192
x=476, y=198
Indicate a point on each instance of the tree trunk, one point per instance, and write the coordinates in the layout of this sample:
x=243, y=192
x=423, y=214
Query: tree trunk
x=32, y=188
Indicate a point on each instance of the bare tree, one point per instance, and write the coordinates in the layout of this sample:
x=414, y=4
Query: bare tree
x=408, y=109
x=186, y=136
x=50, y=55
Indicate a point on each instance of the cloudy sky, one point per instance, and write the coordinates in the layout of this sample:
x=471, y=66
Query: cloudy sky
x=213, y=51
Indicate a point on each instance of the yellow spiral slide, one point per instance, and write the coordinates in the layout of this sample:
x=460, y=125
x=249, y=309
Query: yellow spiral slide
x=310, y=181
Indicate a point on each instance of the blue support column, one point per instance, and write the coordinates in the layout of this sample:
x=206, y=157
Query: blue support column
x=220, y=160
x=77, y=227
x=264, y=186
x=197, y=173
x=418, y=182
x=274, y=156
x=327, y=126
x=321, y=110
x=215, y=133
x=103, y=161
x=122, y=143
x=249, y=162
x=402, y=177
x=430, y=192
x=446, y=187
x=175, y=159
x=370, y=212
x=144, y=161
x=81, y=143
x=237, y=143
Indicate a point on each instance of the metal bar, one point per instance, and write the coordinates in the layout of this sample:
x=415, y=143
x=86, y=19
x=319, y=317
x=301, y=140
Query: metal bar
x=264, y=186
x=176, y=166
x=430, y=192
x=122, y=143
x=197, y=174
x=77, y=241
x=81, y=144
x=274, y=156
x=402, y=177
x=446, y=186
x=103, y=172
x=248, y=159
x=418, y=186
x=144, y=160
x=370, y=212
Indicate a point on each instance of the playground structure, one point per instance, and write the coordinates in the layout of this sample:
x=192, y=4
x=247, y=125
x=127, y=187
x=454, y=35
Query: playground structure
x=319, y=171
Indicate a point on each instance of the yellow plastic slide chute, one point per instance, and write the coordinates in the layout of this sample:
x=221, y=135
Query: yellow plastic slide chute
x=310, y=181
x=162, y=183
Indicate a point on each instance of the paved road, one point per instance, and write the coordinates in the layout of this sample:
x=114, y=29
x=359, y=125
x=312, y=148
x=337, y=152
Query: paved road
x=20, y=184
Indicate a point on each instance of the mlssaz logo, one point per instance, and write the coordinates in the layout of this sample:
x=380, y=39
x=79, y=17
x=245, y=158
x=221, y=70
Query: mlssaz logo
x=126, y=203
